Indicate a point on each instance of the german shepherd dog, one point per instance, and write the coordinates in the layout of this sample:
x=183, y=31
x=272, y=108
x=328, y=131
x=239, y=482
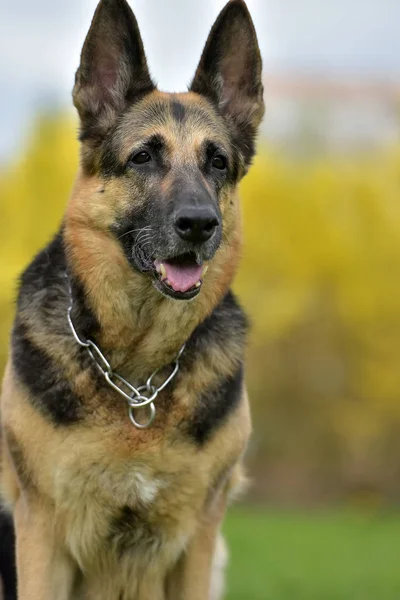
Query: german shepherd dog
x=124, y=412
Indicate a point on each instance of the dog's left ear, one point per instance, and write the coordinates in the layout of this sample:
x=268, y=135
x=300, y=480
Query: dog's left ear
x=230, y=73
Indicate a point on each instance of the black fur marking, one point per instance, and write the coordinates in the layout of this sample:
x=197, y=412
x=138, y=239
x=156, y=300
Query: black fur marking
x=84, y=320
x=226, y=323
x=44, y=291
x=8, y=571
x=156, y=143
x=138, y=218
x=46, y=277
x=178, y=111
x=214, y=407
x=129, y=532
x=50, y=393
x=44, y=274
x=25, y=475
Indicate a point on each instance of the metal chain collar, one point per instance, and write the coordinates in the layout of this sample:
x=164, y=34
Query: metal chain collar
x=135, y=397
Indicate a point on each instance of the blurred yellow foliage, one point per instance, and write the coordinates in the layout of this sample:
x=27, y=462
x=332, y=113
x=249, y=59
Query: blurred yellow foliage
x=321, y=280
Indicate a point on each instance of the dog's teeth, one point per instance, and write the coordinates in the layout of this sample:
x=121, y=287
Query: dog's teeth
x=167, y=282
x=204, y=271
x=198, y=284
x=158, y=269
x=163, y=270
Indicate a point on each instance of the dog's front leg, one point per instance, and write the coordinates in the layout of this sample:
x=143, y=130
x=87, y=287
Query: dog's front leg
x=44, y=571
x=199, y=573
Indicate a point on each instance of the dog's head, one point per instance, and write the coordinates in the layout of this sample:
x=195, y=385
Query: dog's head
x=166, y=166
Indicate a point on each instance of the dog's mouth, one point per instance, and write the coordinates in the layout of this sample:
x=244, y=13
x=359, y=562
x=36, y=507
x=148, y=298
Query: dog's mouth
x=180, y=277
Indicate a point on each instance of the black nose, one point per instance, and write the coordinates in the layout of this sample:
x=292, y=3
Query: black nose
x=196, y=223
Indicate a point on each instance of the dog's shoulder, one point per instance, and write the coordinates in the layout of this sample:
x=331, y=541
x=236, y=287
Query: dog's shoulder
x=44, y=273
x=38, y=331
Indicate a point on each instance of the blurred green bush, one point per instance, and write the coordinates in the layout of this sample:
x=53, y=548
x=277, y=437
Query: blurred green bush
x=321, y=280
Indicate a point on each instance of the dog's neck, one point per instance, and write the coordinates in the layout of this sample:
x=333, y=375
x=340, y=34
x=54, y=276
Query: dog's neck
x=137, y=325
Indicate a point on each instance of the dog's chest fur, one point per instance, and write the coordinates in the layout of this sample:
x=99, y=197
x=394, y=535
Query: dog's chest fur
x=116, y=490
x=124, y=497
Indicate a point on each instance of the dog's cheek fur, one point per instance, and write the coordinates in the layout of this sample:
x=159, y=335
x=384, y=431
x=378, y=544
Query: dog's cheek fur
x=97, y=203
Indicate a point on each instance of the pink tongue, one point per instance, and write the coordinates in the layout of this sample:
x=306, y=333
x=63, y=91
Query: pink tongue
x=183, y=278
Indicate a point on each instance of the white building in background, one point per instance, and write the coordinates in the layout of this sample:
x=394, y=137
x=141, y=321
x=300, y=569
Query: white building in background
x=308, y=115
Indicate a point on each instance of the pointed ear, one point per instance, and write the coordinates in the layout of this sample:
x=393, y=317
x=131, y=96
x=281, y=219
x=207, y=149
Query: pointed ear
x=113, y=69
x=230, y=73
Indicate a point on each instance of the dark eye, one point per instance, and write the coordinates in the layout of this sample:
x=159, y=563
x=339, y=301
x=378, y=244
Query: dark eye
x=140, y=158
x=219, y=162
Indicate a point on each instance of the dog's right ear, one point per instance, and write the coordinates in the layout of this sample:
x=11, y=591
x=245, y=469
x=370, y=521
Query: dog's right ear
x=113, y=69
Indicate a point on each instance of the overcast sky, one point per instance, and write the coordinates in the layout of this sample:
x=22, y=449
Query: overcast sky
x=40, y=42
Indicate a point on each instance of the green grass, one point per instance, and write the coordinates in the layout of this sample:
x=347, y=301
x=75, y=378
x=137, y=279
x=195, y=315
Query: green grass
x=314, y=556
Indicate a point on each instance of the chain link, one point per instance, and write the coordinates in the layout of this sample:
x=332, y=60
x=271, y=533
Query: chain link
x=140, y=397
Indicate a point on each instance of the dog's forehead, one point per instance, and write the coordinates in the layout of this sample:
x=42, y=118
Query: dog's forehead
x=183, y=120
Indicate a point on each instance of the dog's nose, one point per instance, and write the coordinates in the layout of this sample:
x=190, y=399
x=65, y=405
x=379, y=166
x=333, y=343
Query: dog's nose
x=196, y=223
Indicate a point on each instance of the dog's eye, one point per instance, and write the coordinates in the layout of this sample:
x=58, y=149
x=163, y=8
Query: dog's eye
x=140, y=158
x=219, y=162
